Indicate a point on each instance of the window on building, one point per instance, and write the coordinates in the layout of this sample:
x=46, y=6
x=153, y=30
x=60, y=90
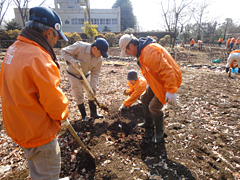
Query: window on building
x=80, y=21
x=102, y=21
x=74, y=20
x=67, y=22
x=92, y=21
x=108, y=21
x=97, y=21
x=114, y=21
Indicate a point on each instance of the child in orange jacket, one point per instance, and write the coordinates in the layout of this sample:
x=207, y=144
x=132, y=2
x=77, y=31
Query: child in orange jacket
x=137, y=85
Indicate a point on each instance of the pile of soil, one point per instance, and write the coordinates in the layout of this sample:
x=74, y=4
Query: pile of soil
x=202, y=139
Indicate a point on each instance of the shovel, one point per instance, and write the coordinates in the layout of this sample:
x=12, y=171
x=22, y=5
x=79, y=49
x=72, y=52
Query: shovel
x=73, y=132
x=102, y=106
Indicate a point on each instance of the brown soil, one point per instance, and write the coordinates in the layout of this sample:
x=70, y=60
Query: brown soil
x=201, y=132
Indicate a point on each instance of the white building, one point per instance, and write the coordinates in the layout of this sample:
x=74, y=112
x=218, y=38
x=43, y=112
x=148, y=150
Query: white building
x=73, y=15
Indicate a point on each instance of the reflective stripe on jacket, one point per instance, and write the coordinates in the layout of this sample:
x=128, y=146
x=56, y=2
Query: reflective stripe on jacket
x=33, y=105
x=160, y=70
x=135, y=91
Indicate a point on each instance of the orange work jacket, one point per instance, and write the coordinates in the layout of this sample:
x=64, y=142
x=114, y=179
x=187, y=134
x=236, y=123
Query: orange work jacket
x=238, y=41
x=33, y=105
x=228, y=42
x=160, y=70
x=192, y=41
x=135, y=91
x=232, y=40
x=220, y=40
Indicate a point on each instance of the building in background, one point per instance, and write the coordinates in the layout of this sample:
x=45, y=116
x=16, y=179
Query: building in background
x=73, y=16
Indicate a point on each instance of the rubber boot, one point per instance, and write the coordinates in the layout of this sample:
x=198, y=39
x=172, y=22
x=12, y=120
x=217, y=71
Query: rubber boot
x=93, y=110
x=158, y=131
x=82, y=110
x=148, y=122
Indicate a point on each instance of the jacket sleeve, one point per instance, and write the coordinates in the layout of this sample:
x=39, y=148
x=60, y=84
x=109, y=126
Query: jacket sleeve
x=95, y=73
x=160, y=63
x=130, y=89
x=138, y=90
x=69, y=52
x=50, y=96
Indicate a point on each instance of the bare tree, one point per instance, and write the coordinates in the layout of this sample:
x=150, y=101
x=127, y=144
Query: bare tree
x=171, y=17
x=4, y=4
x=199, y=12
x=23, y=8
x=227, y=23
x=88, y=10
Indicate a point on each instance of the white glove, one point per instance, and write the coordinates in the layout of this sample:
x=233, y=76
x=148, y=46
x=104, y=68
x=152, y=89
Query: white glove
x=75, y=63
x=171, y=98
x=121, y=107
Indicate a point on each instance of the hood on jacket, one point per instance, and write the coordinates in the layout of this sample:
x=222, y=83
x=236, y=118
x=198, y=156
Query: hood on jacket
x=144, y=42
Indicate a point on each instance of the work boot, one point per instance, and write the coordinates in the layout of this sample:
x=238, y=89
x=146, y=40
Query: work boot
x=158, y=131
x=93, y=110
x=148, y=122
x=82, y=110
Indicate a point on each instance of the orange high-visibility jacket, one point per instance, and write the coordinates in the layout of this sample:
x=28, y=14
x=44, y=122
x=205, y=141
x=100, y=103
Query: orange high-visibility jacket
x=220, y=40
x=232, y=40
x=238, y=41
x=192, y=41
x=228, y=42
x=200, y=42
x=33, y=105
x=135, y=91
x=160, y=70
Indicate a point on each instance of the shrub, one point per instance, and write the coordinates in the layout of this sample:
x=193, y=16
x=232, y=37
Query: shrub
x=164, y=41
x=111, y=39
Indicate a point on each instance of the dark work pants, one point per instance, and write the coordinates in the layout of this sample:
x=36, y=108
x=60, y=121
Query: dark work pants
x=149, y=98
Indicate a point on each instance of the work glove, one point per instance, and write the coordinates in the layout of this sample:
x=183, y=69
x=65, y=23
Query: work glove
x=75, y=63
x=125, y=93
x=171, y=98
x=121, y=107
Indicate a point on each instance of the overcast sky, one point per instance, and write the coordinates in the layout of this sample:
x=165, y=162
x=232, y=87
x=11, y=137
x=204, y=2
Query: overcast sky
x=148, y=12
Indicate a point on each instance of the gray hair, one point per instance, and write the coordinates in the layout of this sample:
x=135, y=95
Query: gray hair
x=39, y=27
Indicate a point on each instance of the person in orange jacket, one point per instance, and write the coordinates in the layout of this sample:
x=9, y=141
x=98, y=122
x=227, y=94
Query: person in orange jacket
x=220, y=41
x=137, y=85
x=234, y=56
x=162, y=74
x=192, y=42
x=237, y=42
x=232, y=42
x=228, y=42
x=200, y=44
x=33, y=105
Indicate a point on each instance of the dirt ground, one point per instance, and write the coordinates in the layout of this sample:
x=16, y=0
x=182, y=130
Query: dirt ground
x=201, y=132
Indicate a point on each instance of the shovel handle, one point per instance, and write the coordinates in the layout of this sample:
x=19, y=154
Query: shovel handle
x=84, y=78
x=73, y=132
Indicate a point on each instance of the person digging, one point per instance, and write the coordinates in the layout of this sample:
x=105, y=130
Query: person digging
x=162, y=74
x=137, y=85
x=89, y=58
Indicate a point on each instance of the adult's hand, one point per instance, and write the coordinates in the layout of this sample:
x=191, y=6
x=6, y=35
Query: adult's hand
x=121, y=107
x=75, y=63
x=171, y=98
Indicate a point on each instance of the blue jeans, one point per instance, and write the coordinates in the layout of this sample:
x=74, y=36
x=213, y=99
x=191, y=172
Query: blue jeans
x=231, y=46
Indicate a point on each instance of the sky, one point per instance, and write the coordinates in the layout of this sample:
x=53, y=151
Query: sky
x=148, y=12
